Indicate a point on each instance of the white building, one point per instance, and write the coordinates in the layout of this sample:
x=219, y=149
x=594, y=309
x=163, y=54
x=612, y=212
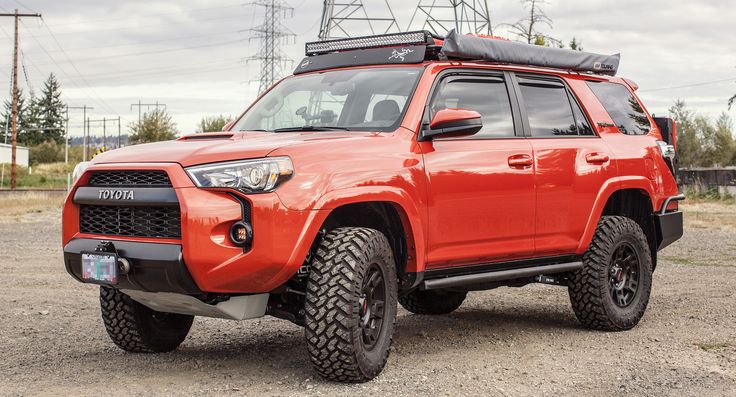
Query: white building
x=21, y=154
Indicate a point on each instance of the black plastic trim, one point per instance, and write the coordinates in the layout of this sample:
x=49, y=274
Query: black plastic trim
x=499, y=275
x=669, y=228
x=497, y=266
x=126, y=196
x=153, y=267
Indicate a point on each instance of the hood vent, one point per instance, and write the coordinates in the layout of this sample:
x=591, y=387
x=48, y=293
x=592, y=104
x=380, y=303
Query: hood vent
x=202, y=137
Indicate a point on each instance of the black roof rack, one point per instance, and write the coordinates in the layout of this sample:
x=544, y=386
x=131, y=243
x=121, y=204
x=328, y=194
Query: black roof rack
x=418, y=46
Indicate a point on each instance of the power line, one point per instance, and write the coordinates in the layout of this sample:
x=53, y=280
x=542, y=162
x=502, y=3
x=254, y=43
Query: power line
x=144, y=42
x=154, y=52
x=138, y=16
x=677, y=87
x=73, y=81
x=14, y=107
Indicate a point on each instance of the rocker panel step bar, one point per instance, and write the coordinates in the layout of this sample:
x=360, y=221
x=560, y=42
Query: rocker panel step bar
x=499, y=275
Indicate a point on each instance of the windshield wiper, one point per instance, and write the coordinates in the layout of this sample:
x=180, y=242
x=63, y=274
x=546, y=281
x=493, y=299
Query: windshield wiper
x=310, y=128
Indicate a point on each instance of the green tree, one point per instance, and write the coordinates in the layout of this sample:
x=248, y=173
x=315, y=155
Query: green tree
x=576, y=45
x=52, y=110
x=213, y=123
x=155, y=126
x=31, y=132
x=6, y=122
x=724, y=141
x=688, y=145
x=47, y=152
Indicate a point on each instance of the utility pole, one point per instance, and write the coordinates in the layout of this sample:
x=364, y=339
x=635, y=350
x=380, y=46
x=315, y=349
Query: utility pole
x=441, y=16
x=348, y=18
x=14, y=93
x=119, y=144
x=140, y=105
x=271, y=33
x=84, y=126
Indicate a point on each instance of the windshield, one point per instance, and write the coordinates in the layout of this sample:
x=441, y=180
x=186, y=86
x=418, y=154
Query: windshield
x=357, y=99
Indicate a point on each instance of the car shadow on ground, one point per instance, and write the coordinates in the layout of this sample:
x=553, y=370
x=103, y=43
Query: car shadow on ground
x=249, y=350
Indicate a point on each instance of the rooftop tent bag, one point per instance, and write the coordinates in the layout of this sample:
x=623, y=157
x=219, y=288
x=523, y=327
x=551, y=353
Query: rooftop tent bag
x=498, y=50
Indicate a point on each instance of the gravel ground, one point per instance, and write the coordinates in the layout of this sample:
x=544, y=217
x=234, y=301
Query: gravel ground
x=509, y=341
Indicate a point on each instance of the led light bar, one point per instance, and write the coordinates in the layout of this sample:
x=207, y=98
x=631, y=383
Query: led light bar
x=358, y=43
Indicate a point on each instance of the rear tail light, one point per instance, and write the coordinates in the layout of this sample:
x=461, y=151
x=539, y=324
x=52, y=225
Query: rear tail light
x=667, y=150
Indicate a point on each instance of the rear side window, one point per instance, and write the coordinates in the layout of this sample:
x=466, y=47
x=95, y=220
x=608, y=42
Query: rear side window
x=547, y=107
x=623, y=108
x=486, y=95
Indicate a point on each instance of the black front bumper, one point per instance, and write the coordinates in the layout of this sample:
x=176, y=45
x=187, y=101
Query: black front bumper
x=669, y=228
x=153, y=267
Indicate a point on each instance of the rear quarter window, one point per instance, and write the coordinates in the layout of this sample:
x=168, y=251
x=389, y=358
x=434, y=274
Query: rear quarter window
x=624, y=109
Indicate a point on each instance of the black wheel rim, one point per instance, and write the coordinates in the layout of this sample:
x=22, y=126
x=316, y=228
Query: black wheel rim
x=372, y=306
x=623, y=275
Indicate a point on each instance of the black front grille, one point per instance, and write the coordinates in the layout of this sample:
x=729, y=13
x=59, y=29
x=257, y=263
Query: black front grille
x=143, y=178
x=156, y=222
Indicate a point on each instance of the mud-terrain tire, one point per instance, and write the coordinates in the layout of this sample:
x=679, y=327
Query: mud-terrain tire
x=611, y=291
x=432, y=302
x=350, y=308
x=136, y=328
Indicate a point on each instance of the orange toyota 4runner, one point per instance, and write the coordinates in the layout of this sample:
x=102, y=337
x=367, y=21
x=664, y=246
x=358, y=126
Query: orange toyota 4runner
x=396, y=169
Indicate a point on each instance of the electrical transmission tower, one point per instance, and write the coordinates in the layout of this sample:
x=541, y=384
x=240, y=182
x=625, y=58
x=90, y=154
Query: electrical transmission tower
x=347, y=18
x=272, y=34
x=465, y=16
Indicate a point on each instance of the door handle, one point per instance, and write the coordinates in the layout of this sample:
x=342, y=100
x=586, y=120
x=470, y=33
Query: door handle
x=521, y=161
x=596, y=158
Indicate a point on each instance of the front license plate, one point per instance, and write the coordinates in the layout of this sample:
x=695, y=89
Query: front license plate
x=100, y=268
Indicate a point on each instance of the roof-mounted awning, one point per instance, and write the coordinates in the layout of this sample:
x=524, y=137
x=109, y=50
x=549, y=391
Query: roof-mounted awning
x=499, y=50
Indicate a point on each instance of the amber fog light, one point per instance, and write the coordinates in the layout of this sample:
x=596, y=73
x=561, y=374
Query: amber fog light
x=241, y=234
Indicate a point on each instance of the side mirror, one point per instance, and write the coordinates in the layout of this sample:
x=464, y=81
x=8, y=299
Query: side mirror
x=452, y=123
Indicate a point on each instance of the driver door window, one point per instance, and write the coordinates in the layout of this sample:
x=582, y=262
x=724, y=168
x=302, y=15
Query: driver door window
x=486, y=95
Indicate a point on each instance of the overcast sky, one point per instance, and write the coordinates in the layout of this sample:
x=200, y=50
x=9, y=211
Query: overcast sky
x=190, y=55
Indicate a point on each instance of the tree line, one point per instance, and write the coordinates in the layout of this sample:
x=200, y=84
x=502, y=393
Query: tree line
x=701, y=141
x=40, y=118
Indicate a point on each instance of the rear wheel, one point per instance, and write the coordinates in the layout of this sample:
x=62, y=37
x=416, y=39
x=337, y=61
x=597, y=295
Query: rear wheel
x=432, y=302
x=351, y=305
x=136, y=328
x=611, y=291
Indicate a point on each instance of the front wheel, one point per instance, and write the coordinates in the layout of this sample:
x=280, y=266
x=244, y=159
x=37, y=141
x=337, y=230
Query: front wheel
x=136, y=328
x=611, y=291
x=351, y=304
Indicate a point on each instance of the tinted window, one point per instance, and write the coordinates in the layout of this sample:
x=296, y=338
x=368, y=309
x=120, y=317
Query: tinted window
x=547, y=107
x=623, y=108
x=487, y=96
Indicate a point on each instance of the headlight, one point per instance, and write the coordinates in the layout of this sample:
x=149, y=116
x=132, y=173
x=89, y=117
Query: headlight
x=79, y=170
x=249, y=176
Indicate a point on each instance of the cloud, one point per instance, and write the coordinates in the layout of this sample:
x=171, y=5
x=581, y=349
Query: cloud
x=191, y=55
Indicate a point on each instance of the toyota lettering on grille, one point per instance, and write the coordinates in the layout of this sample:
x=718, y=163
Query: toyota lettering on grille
x=115, y=194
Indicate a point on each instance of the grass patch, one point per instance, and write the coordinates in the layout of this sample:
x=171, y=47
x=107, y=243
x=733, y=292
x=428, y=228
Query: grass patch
x=29, y=202
x=713, y=346
x=41, y=176
x=708, y=214
x=710, y=196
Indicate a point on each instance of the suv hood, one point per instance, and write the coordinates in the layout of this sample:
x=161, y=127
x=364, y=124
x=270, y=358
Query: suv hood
x=221, y=146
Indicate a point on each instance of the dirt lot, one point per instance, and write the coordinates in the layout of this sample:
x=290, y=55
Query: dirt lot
x=522, y=341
